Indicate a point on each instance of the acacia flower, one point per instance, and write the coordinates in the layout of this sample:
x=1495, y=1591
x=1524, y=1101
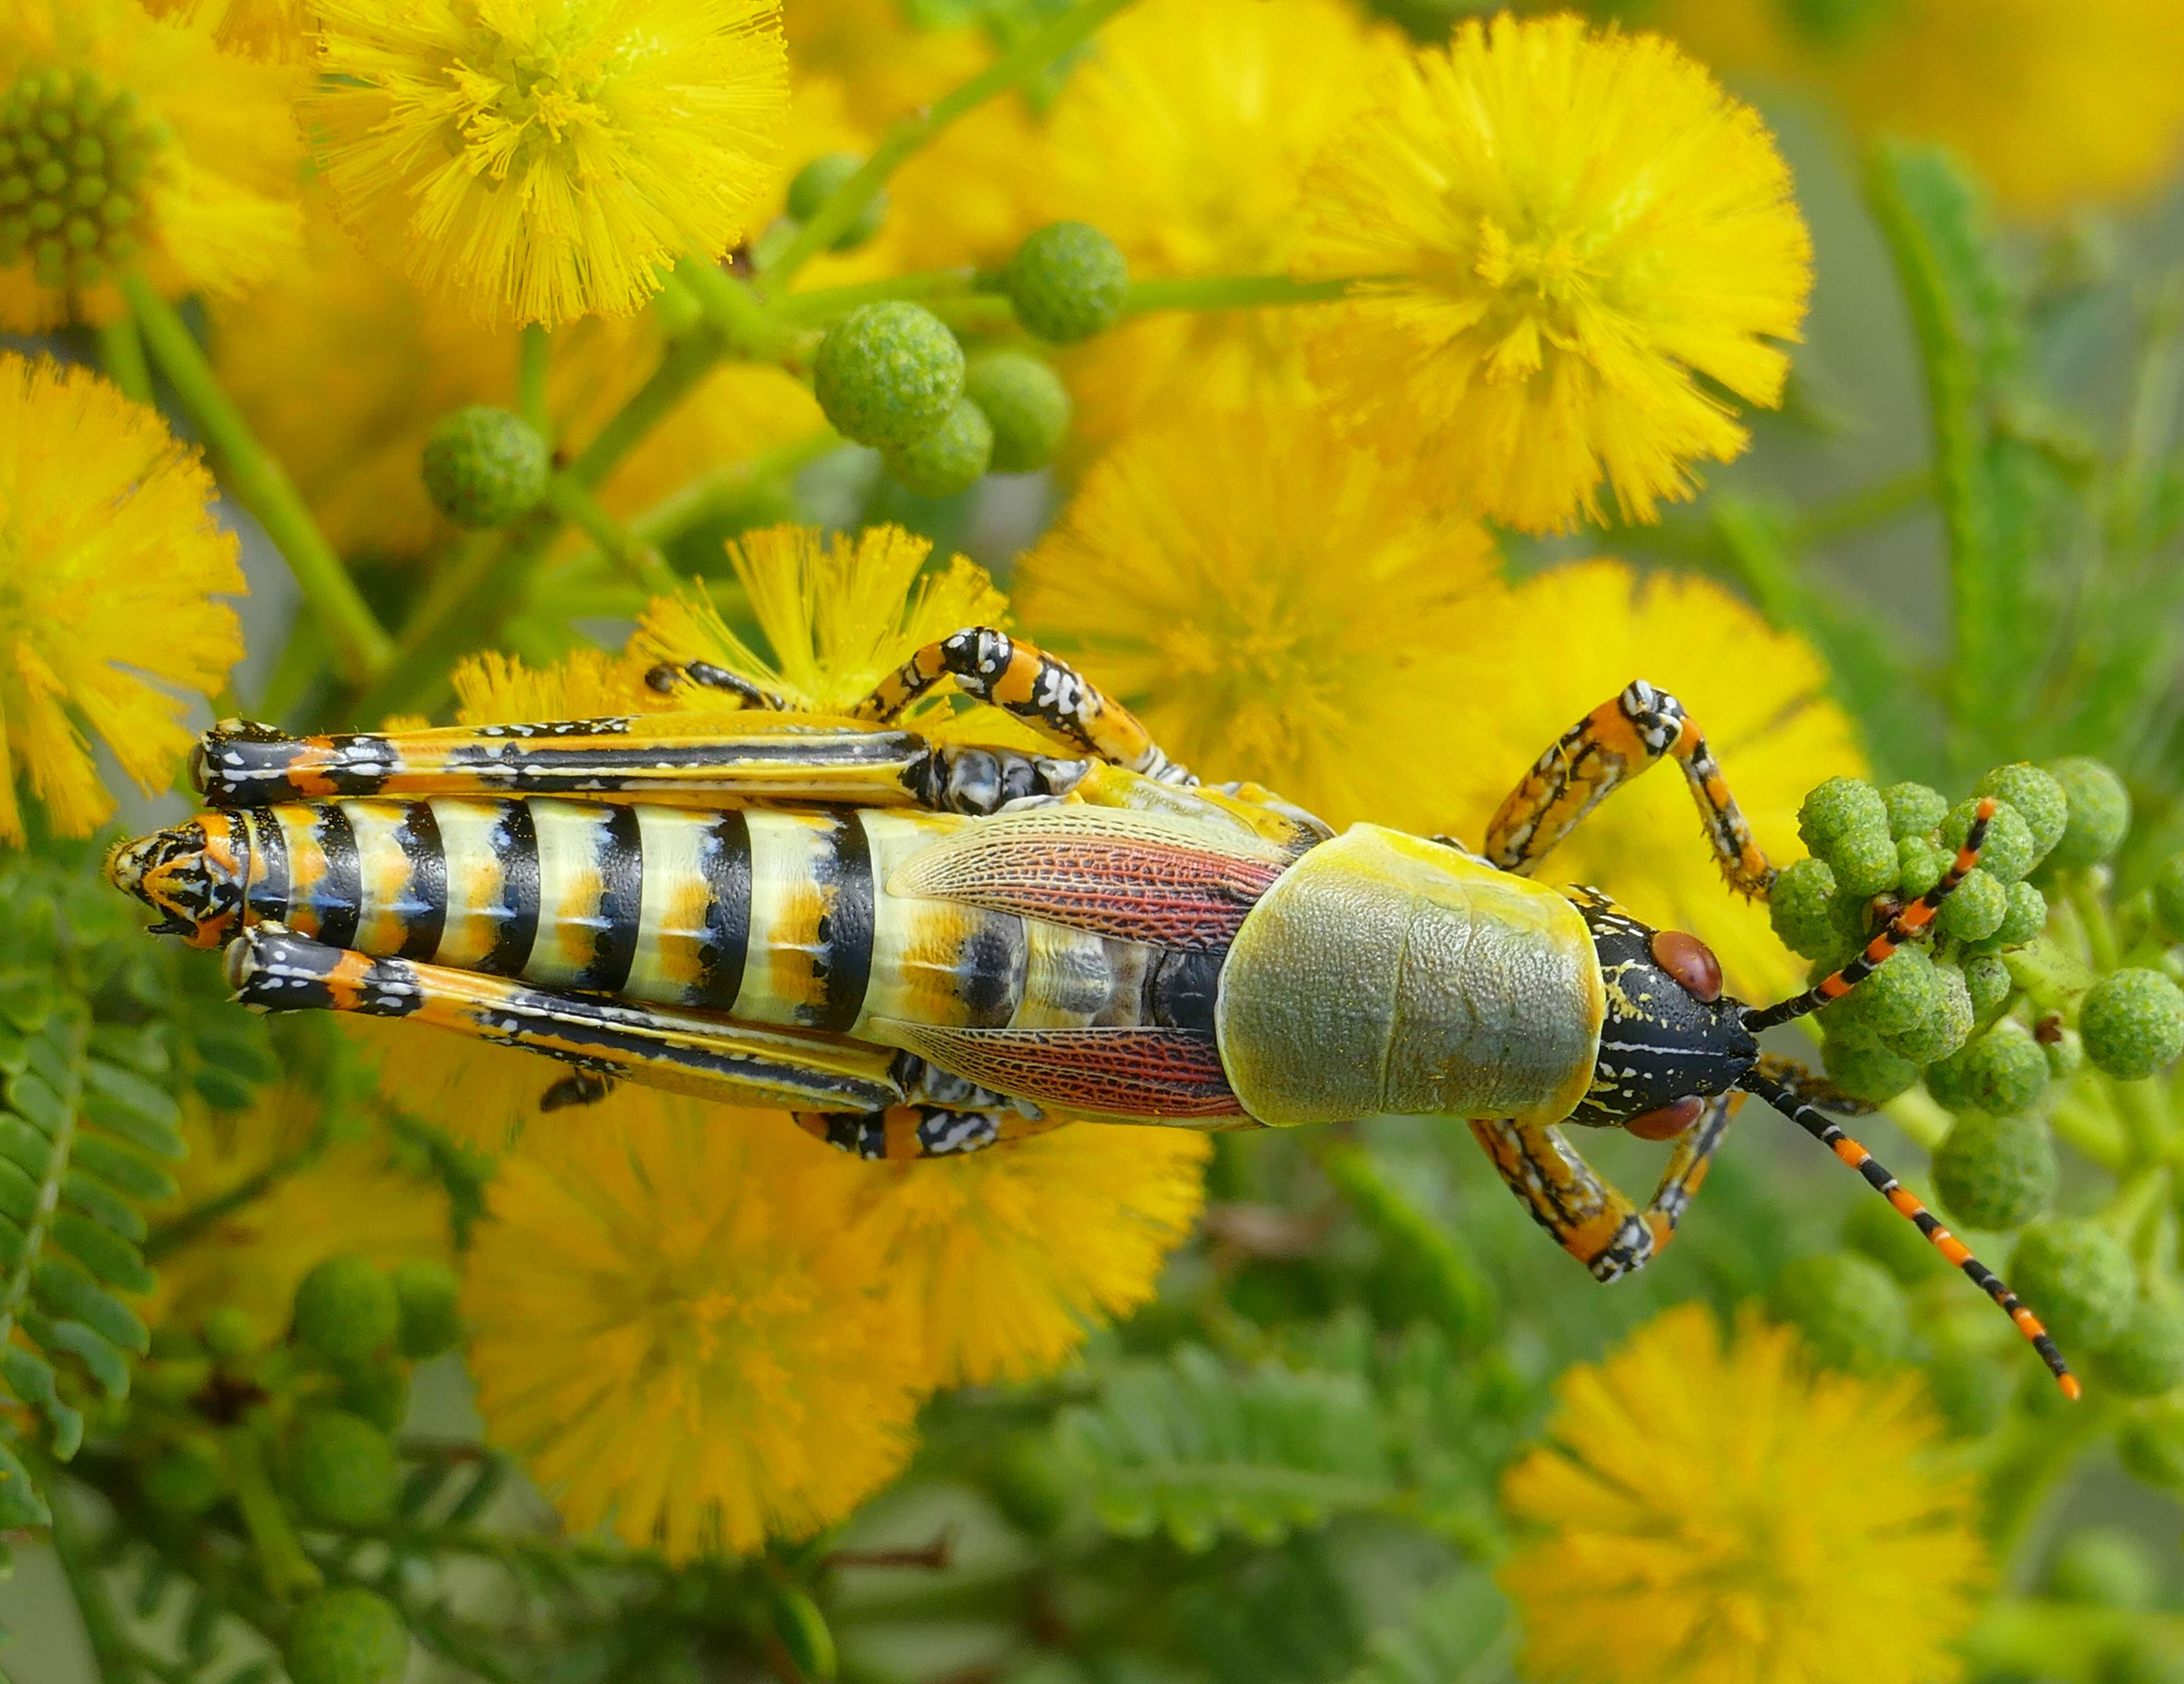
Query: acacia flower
x=1710, y=1511
x=1570, y=233
x=1275, y=607
x=111, y=561
x=672, y=1324
x=543, y=162
x=258, y=29
x=125, y=142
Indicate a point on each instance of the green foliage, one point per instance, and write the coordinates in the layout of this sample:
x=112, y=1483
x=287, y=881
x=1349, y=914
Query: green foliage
x=1454, y=1627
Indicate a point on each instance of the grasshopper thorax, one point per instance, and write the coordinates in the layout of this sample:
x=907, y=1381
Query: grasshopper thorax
x=191, y=874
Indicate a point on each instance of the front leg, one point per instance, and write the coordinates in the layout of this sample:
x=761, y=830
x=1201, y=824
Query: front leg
x=1609, y=746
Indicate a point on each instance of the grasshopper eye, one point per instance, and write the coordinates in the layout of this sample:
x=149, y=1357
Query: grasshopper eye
x=1691, y=962
x=1669, y=1121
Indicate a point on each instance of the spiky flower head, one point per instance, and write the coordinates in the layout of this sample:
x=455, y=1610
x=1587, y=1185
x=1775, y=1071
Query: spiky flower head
x=110, y=564
x=128, y=143
x=1571, y=233
x=544, y=162
x=673, y=1326
x=1709, y=1510
x=256, y=29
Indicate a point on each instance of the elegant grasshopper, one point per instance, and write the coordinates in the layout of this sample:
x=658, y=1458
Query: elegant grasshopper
x=924, y=947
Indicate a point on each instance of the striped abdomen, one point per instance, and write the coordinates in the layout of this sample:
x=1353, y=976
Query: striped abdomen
x=776, y=917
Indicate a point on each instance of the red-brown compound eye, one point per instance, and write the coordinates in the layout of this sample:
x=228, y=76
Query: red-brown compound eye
x=1691, y=962
x=1669, y=1121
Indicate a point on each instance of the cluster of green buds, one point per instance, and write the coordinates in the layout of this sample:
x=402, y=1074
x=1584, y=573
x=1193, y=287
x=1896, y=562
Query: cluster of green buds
x=892, y=376
x=294, y=1436
x=75, y=158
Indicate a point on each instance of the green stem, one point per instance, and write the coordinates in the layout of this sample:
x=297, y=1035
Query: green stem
x=1915, y=1112
x=824, y=304
x=1233, y=292
x=532, y=361
x=101, y=1624
x=1030, y=56
x=447, y=627
x=693, y=504
x=2094, y=919
x=2035, y=1455
x=282, y=1561
x=262, y=485
x=679, y=372
x=1874, y=505
x=745, y=326
x=635, y=557
x=121, y=350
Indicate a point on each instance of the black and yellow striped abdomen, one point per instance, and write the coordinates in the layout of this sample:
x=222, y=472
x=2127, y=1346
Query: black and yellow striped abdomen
x=772, y=915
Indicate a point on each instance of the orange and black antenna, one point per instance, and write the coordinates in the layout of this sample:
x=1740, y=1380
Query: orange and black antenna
x=1784, y=1097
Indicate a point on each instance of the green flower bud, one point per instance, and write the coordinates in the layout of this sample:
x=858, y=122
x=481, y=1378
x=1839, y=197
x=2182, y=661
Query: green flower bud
x=184, y=1481
x=1919, y=865
x=2078, y=1278
x=888, y=373
x=342, y=1470
x=2065, y=1048
x=2147, y=1359
x=1913, y=809
x=345, y=1309
x=1995, y=1172
x=1067, y=282
x=1969, y=1390
x=1987, y=979
x=1849, y=1309
x=2007, y=852
x=2150, y=1443
x=1801, y=907
x=1026, y=403
x=2104, y=1565
x=1942, y=1030
x=84, y=192
x=1841, y=807
x=2004, y=1069
x=1975, y=907
x=1867, y=1070
x=2168, y=896
x=431, y=1321
x=1896, y=998
x=379, y=1392
x=2100, y=812
x=231, y=1333
x=949, y=459
x=2133, y=1023
x=1865, y=863
x=1878, y=1230
x=484, y=466
x=816, y=182
x=347, y=1637
x=2035, y=797
x=2024, y=919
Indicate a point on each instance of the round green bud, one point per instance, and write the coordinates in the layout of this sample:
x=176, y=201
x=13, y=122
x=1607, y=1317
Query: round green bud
x=184, y=1481
x=2078, y=1278
x=2004, y=1069
x=2065, y=1048
x=377, y=1391
x=2104, y=1565
x=1067, y=282
x=1941, y=1031
x=1987, y=979
x=485, y=466
x=2026, y=916
x=1970, y=1391
x=1913, y=809
x=1975, y=907
x=342, y=1470
x=347, y=1637
x=2168, y=896
x=949, y=459
x=2147, y=1358
x=1919, y=865
x=2007, y=852
x=1865, y=863
x=1026, y=403
x=1945, y=1081
x=1849, y=1309
x=432, y=1321
x=1896, y=999
x=2035, y=797
x=1995, y=1172
x=1867, y=1070
x=888, y=373
x=816, y=183
x=231, y=1333
x=2150, y=1443
x=1802, y=906
x=1841, y=807
x=1878, y=1231
x=2100, y=812
x=2133, y=1023
x=345, y=1309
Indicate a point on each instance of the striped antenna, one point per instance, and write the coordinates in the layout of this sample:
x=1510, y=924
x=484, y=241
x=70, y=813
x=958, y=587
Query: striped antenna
x=1784, y=1098
x=1900, y=929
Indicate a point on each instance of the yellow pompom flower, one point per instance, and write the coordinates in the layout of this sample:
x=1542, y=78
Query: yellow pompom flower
x=1275, y=606
x=1569, y=234
x=111, y=561
x=672, y=1324
x=543, y=162
x=355, y=1197
x=2052, y=105
x=1570, y=639
x=1710, y=1511
x=259, y=29
x=128, y=143
x=1186, y=140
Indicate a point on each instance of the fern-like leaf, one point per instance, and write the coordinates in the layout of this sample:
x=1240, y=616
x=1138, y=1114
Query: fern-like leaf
x=1456, y=1634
